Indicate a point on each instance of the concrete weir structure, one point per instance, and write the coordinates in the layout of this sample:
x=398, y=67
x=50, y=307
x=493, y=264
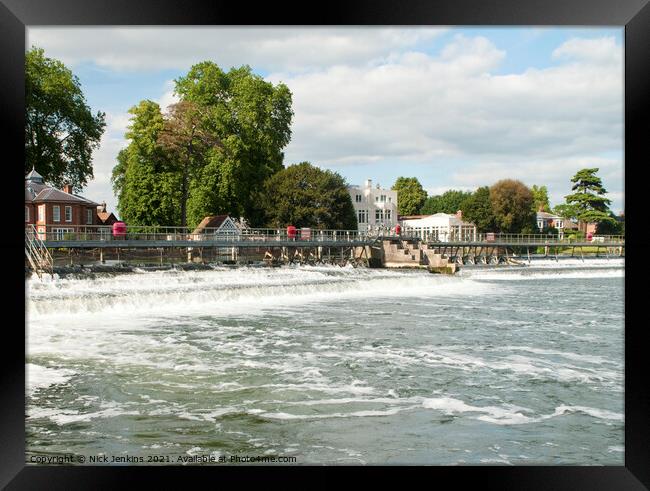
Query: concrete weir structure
x=396, y=252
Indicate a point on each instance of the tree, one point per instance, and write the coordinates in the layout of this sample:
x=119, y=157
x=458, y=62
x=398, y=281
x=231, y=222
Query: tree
x=615, y=227
x=540, y=198
x=512, y=203
x=251, y=118
x=477, y=209
x=410, y=195
x=589, y=200
x=566, y=211
x=186, y=140
x=145, y=180
x=305, y=196
x=448, y=202
x=212, y=151
x=60, y=130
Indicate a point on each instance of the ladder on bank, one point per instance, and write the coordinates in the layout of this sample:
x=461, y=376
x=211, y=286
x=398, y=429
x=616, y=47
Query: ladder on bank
x=37, y=254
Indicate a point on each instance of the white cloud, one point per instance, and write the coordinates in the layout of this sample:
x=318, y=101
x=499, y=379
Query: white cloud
x=600, y=50
x=365, y=96
x=423, y=108
x=169, y=97
x=269, y=49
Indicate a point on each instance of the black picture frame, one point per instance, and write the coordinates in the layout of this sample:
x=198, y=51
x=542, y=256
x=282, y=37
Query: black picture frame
x=634, y=15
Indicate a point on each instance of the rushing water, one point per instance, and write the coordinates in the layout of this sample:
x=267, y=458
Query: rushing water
x=333, y=365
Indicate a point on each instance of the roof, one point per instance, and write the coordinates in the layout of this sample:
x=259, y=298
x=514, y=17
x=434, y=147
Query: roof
x=214, y=221
x=36, y=190
x=104, y=216
x=412, y=217
x=453, y=219
x=32, y=189
x=544, y=214
x=34, y=177
x=53, y=194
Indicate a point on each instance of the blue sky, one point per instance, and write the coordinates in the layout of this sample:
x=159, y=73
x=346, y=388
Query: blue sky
x=456, y=107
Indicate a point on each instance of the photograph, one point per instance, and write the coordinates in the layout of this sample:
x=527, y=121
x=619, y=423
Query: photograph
x=338, y=245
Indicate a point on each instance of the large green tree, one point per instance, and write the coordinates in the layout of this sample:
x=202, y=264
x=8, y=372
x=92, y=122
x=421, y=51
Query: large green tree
x=512, y=203
x=187, y=142
x=616, y=226
x=251, y=120
x=477, y=209
x=447, y=202
x=589, y=198
x=540, y=198
x=410, y=195
x=61, y=131
x=305, y=196
x=145, y=179
x=566, y=211
x=215, y=148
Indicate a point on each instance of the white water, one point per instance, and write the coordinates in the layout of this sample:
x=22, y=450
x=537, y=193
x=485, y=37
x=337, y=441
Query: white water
x=318, y=351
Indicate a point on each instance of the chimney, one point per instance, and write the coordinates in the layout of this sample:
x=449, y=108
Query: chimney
x=368, y=183
x=103, y=206
x=67, y=188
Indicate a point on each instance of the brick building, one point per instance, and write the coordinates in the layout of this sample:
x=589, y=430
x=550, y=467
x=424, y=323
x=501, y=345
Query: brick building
x=56, y=212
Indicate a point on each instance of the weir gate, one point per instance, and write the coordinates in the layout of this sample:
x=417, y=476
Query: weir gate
x=81, y=244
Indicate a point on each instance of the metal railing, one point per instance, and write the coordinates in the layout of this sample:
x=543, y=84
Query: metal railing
x=75, y=233
x=37, y=254
x=59, y=233
x=531, y=239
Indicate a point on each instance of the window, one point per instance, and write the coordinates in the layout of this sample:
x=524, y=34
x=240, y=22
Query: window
x=377, y=199
x=358, y=198
x=387, y=214
x=559, y=224
x=27, y=214
x=378, y=215
x=383, y=198
x=362, y=216
x=62, y=233
x=390, y=200
x=56, y=213
x=68, y=213
x=89, y=216
x=41, y=213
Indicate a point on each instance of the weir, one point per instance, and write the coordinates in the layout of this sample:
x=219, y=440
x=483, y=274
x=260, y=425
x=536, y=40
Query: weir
x=175, y=245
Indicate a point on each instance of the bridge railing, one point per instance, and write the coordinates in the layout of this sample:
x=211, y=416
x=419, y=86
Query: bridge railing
x=533, y=239
x=58, y=232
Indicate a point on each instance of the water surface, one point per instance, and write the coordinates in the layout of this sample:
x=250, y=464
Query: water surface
x=332, y=365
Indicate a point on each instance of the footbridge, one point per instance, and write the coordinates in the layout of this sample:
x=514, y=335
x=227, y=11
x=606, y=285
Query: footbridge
x=304, y=245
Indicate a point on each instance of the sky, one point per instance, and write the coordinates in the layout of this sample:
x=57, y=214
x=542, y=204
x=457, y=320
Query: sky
x=456, y=107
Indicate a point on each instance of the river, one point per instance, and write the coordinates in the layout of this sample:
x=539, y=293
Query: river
x=494, y=365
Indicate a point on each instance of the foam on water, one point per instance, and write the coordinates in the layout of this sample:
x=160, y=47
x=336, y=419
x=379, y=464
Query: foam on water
x=244, y=291
x=268, y=359
x=39, y=377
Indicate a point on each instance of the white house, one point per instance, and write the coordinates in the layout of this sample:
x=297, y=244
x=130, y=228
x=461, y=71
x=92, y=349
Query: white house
x=375, y=208
x=545, y=220
x=438, y=227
